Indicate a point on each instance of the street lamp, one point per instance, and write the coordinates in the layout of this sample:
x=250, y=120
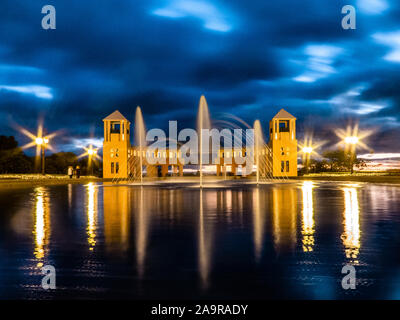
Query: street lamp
x=307, y=150
x=352, y=138
x=308, y=147
x=91, y=153
x=39, y=140
x=42, y=144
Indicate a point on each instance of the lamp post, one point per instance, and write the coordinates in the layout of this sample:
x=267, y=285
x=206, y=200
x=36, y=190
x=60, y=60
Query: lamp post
x=42, y=143
x=307, y=151
x=352, y=141
x=91, y=152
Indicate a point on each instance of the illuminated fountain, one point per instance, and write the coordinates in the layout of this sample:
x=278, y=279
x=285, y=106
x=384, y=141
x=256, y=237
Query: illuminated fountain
x=140, y=138
x=258, y=144
x=203, y=122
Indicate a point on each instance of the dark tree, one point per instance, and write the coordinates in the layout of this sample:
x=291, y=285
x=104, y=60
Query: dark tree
x=12, y=159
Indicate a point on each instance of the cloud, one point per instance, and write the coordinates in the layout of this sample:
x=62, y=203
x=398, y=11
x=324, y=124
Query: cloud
x=372, y=6
x=319, y=62
x=208, y=13
x=38, y=91
x=392, y=40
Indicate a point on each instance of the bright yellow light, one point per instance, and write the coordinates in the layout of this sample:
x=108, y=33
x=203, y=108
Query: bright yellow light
x=308, y=216
x=307, y=149
x=91, y=153
x=351, y=234
x=39, y=141
x=351, y=140
x=92, y=214
x=41, y=212
x=45, y=140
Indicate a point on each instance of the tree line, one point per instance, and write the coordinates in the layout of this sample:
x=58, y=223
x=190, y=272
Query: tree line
x=14, y=160
x=334, y=161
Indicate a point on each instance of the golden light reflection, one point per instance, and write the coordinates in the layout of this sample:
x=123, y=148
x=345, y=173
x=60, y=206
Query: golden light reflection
x=41, y=227
x=284, y=209
x=117, y=208
x=258, y=225
x=308, y=216
x=91, y=214
x=351, y=234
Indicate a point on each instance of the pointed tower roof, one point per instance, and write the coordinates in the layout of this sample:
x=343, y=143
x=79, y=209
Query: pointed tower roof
x=283, y=114
x=116, y=115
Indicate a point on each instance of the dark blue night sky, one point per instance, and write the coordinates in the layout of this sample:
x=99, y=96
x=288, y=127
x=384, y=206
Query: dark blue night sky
x=249, y=58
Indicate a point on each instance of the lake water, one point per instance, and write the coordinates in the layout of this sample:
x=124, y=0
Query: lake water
x=287, y=240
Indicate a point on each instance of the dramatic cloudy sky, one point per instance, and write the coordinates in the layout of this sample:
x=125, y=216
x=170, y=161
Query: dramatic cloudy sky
x=249, y=58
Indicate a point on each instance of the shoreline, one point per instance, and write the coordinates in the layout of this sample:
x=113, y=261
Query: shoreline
x=32, y=180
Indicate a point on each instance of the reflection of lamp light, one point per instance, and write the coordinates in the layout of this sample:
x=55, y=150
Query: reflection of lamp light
x=308, y=216
x=41, y=211
x=91, y=213
x=351, y=234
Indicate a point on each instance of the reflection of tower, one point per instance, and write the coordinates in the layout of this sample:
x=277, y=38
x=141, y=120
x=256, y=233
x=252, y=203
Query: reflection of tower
x=351, y=234
x=42, y=222
x=308, y=216
x=258, y=224
x=116, y=146
x=283, y=144
x=284, y=217
x=91, y=214
x=117, y=207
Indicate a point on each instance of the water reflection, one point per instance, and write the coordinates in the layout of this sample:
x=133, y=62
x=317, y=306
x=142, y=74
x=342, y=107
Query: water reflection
x=204, y=244
x=91, y=214
x=117, y=203
x=42, y=222
x=351, y=234
x=284, y=208
x=142, y=233
x=258, y=225
x=308, y=216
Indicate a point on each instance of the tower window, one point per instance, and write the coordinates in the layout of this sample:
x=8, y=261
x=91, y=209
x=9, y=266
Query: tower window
x=282, y=166
x=117, y=167
x=287, y=166
x=115, y=127
x=284, y=126
x=112, y=167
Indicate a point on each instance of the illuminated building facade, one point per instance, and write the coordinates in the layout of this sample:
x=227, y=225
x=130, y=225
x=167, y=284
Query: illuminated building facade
x=122, y=161
x=283, y=145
